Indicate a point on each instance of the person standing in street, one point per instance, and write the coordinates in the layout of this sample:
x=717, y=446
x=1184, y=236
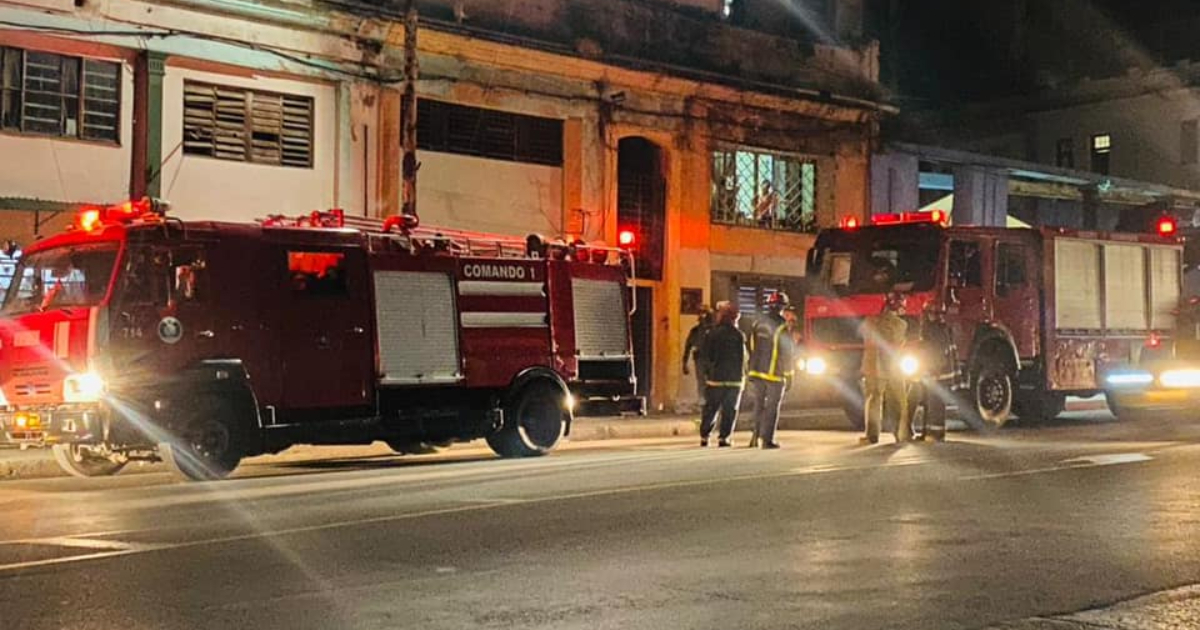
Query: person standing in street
x=883, y=385
x=693, y=350
x=724, y=359
x=771, y=369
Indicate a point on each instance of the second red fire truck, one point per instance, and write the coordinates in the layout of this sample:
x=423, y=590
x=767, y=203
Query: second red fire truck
x=135, y=336
x=1036, y=314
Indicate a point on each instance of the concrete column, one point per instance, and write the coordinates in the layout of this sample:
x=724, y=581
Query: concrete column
x=389, y=154
x=147, y=162
x=980, y=197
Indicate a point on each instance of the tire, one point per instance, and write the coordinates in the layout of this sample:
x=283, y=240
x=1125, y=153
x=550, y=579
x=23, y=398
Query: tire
x=78, y=462
x=1039, y=406
x=412, y=448
x=991, y=395
x=533, y=421
x=1130, y=415
x=208, y=450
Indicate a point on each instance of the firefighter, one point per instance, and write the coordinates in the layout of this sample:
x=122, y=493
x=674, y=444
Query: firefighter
x=693, y=350
x=883, y=385
x=771, y=368
x=724, y=361
x=939, y=366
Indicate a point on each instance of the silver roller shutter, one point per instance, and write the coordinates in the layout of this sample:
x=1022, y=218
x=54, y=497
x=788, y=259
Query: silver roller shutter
x=417, y=331
x=600, y=319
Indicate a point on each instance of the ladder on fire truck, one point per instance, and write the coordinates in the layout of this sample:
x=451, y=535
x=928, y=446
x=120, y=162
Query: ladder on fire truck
x=460, y=242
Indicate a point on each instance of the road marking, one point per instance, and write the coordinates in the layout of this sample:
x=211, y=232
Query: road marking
x=1075, y=463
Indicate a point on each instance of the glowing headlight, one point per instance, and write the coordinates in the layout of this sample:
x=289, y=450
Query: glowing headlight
x=801, y=364
x=1130, y=378
x=1180, y=378
x=81, y=388
x=816, y=366
x=909, y=365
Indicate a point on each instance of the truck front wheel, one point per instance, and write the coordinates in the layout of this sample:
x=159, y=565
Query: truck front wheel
x=992, y=393
x=207, y=450
x=533, y=421
x=80, y=461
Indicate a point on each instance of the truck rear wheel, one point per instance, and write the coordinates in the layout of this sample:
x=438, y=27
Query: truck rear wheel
x=533, y=422
x=206, y=451
x=79, y=461
x=991, y=395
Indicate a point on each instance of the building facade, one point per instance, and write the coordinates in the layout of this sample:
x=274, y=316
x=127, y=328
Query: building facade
x=720, y=139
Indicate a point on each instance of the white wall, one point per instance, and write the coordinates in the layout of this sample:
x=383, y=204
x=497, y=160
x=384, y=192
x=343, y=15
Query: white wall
x=70, y=170
x=1145, y=133
x=207, y=188
x=471, y=193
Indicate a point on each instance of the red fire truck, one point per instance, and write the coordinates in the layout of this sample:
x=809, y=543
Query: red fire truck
x=1036, y=314
x=137, y=336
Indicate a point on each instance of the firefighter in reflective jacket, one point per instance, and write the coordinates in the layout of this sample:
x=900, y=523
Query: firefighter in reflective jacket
x=938, y=356
x=883, y=384
x=771, y=369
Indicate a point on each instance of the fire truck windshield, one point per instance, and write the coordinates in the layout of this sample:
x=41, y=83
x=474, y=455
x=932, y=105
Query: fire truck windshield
x=876, y=260
x=62, y=277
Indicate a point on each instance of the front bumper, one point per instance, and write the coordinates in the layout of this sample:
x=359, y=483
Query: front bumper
x=51, y=425
x=1154, y=386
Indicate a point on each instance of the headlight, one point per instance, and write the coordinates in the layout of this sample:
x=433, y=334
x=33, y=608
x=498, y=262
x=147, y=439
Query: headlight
x=1180, y=378
x=83, y=388
x=816, y=366
x=909, y=365
x=1129, y=378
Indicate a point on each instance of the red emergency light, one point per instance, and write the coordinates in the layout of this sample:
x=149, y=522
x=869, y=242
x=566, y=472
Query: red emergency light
x=91, y=217
x=936, y=217
x=1166, y=226
x=848, y=223
x=626, y=238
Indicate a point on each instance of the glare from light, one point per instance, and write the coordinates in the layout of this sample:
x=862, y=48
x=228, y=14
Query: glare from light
x=569, y=402
x=1180, y=378
x=816, y=366
x=82, y=388
x=909, y=365
x=1130, y=378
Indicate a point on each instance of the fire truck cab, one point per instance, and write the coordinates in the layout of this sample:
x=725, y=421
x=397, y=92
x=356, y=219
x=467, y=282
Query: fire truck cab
x=135, y=336
x=1035, y=314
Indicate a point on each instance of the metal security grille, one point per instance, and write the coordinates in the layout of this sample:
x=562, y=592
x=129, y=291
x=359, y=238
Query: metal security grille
x=59, y=95
x=417, y=331
x=601, y=322
x=232, y=123
x=765, y=190
x=489, y=133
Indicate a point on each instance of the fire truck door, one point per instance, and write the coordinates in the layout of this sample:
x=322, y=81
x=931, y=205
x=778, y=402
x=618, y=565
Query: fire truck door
x=328, y=362
x=967, y=301
x=1016, y=303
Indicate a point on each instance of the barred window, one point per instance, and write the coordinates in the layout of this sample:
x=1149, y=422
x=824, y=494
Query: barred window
x=59, y=95
x=450, y=128
x=230, y=123
x=765, y=190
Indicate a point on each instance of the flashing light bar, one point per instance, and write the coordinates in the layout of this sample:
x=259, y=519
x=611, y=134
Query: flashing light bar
x=92, y=217
x=936, y=217
x=1167, y=226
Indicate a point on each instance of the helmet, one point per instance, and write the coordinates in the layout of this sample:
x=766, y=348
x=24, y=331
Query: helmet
x=895, y=302
x=778, y=301
x=727, y=312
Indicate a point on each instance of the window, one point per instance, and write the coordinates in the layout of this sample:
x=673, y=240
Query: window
x=1010, y=267
x=1065, y=153
x=61, y=277
x=1101, y=152
x=966, y=264
x=766, y=190
x=59, y=95
x=449, y=128
x=1189, y=141
x=230, y=123
x=317, y=273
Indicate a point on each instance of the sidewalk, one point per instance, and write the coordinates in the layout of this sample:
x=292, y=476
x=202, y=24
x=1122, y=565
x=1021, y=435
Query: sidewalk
x=38, y=463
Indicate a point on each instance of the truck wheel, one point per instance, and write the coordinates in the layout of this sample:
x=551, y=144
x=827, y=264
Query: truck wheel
x=533, y=422
x=79, y=461
x=1039, y=406
x=412, y=448
x=206, y=451
x=992, y=395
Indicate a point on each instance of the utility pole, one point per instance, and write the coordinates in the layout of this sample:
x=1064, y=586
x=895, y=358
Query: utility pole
x=408, y=113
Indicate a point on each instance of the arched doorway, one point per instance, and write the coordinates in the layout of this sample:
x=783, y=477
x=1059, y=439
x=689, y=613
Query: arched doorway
x=642, y=210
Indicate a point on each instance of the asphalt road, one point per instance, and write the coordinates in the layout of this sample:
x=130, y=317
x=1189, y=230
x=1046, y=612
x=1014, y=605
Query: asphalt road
x=1029, y=522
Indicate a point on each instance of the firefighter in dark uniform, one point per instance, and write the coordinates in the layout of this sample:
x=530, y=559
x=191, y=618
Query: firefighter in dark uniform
x=938, y=356
x=771, y=368
x=693, y=351
x=884, y=386
x=724, y=361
